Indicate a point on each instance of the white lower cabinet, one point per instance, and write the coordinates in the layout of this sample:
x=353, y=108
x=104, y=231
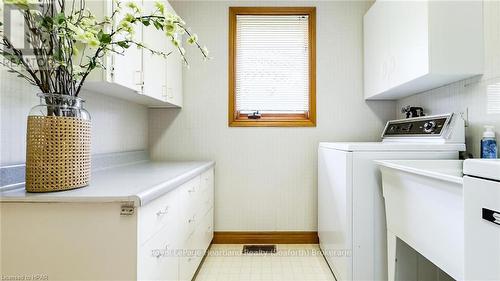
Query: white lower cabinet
x=183, y=222
x=165, y=239
x=197, y=219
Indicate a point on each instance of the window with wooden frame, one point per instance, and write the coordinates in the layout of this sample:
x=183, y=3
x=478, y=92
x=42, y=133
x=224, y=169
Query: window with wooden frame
x=272, y=66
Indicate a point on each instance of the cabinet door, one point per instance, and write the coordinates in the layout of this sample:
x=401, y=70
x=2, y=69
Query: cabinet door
x=127, y=67
x=395, y=53
x=100, y=9
x=376, y=49
x=155, y=66
x=174, y=72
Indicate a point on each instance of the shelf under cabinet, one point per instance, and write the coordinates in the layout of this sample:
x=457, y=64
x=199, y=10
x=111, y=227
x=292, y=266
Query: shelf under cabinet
x=121, y=92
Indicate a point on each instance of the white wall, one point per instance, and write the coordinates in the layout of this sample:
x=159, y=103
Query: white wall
x=117, y=125
x=266, y=177
x=472, y=94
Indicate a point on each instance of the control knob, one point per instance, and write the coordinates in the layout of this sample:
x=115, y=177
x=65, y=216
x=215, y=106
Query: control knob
x=430, y=127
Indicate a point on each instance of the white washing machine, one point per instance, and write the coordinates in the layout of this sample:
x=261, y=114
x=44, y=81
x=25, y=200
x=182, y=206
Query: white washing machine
x=482, y=219
x=351, y=216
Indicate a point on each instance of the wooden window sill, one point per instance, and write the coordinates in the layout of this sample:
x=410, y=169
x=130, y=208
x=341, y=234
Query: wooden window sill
x=271, y=123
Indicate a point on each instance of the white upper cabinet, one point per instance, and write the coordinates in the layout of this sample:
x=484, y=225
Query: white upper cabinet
x=173, y=89
x=414, y=46
x=155, y=66
x=127, y=67
x=136, y=74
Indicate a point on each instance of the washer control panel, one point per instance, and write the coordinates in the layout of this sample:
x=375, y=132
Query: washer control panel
x=420, y=126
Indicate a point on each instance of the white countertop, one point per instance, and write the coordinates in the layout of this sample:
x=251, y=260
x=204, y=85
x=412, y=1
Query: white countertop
x=392, y=146
x=446, y=170
x=483, y=168
x=140, y=183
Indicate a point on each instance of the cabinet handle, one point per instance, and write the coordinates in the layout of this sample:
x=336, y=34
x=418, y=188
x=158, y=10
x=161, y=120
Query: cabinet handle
x=138, y=77
x=169, y=93
x=162, y=212
x=164, y=92
x=193, y=219
x=191, y=190
x=491, y=216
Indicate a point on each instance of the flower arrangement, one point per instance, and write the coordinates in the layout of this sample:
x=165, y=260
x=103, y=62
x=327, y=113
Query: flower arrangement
x=68, y=41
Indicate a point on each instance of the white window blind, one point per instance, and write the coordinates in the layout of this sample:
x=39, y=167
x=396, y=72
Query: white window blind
x=272, y=64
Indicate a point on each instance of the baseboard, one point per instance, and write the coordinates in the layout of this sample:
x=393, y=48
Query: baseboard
x=265, y=237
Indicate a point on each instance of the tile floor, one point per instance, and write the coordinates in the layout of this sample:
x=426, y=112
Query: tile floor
x=290, y=262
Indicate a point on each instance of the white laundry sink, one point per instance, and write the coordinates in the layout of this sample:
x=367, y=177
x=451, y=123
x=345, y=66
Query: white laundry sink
x=424, y=208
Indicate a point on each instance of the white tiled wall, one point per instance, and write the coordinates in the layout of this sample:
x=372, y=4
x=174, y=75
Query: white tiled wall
x=117, y=125
x=266, y=177
x=477, y=95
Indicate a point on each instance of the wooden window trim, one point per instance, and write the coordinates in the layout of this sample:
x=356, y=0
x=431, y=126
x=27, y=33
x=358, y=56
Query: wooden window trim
x=272, y=120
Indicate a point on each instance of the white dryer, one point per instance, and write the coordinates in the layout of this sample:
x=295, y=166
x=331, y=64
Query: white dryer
x=351, y=216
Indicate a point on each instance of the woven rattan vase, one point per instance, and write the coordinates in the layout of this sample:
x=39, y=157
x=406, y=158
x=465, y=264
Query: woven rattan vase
x=58, y=145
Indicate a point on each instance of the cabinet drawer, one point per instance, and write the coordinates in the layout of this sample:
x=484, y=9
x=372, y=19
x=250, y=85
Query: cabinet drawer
x=157, y=259
x=206, y=231
x=157, y=214
x=189, y=198
x=188, y=266
x=195, y=246
x=206, y=201
x=190, y=228
x=207, y=179
x=191, y=258
x=207, y=192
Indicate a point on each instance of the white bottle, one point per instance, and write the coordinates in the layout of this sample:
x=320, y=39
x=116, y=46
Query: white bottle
x=489, y=143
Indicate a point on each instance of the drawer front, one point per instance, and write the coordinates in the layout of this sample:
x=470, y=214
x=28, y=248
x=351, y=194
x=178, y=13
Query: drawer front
x=195, y=246
x=204, y=232
x=157, y=214
x=206, y=201
x=189, y=197
x=207, y=192
x=191, y=258
x=157, y=259
x=209, y=228
x=188, y=266
x=188, y=215
x=191, y=223
x=207, y=179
